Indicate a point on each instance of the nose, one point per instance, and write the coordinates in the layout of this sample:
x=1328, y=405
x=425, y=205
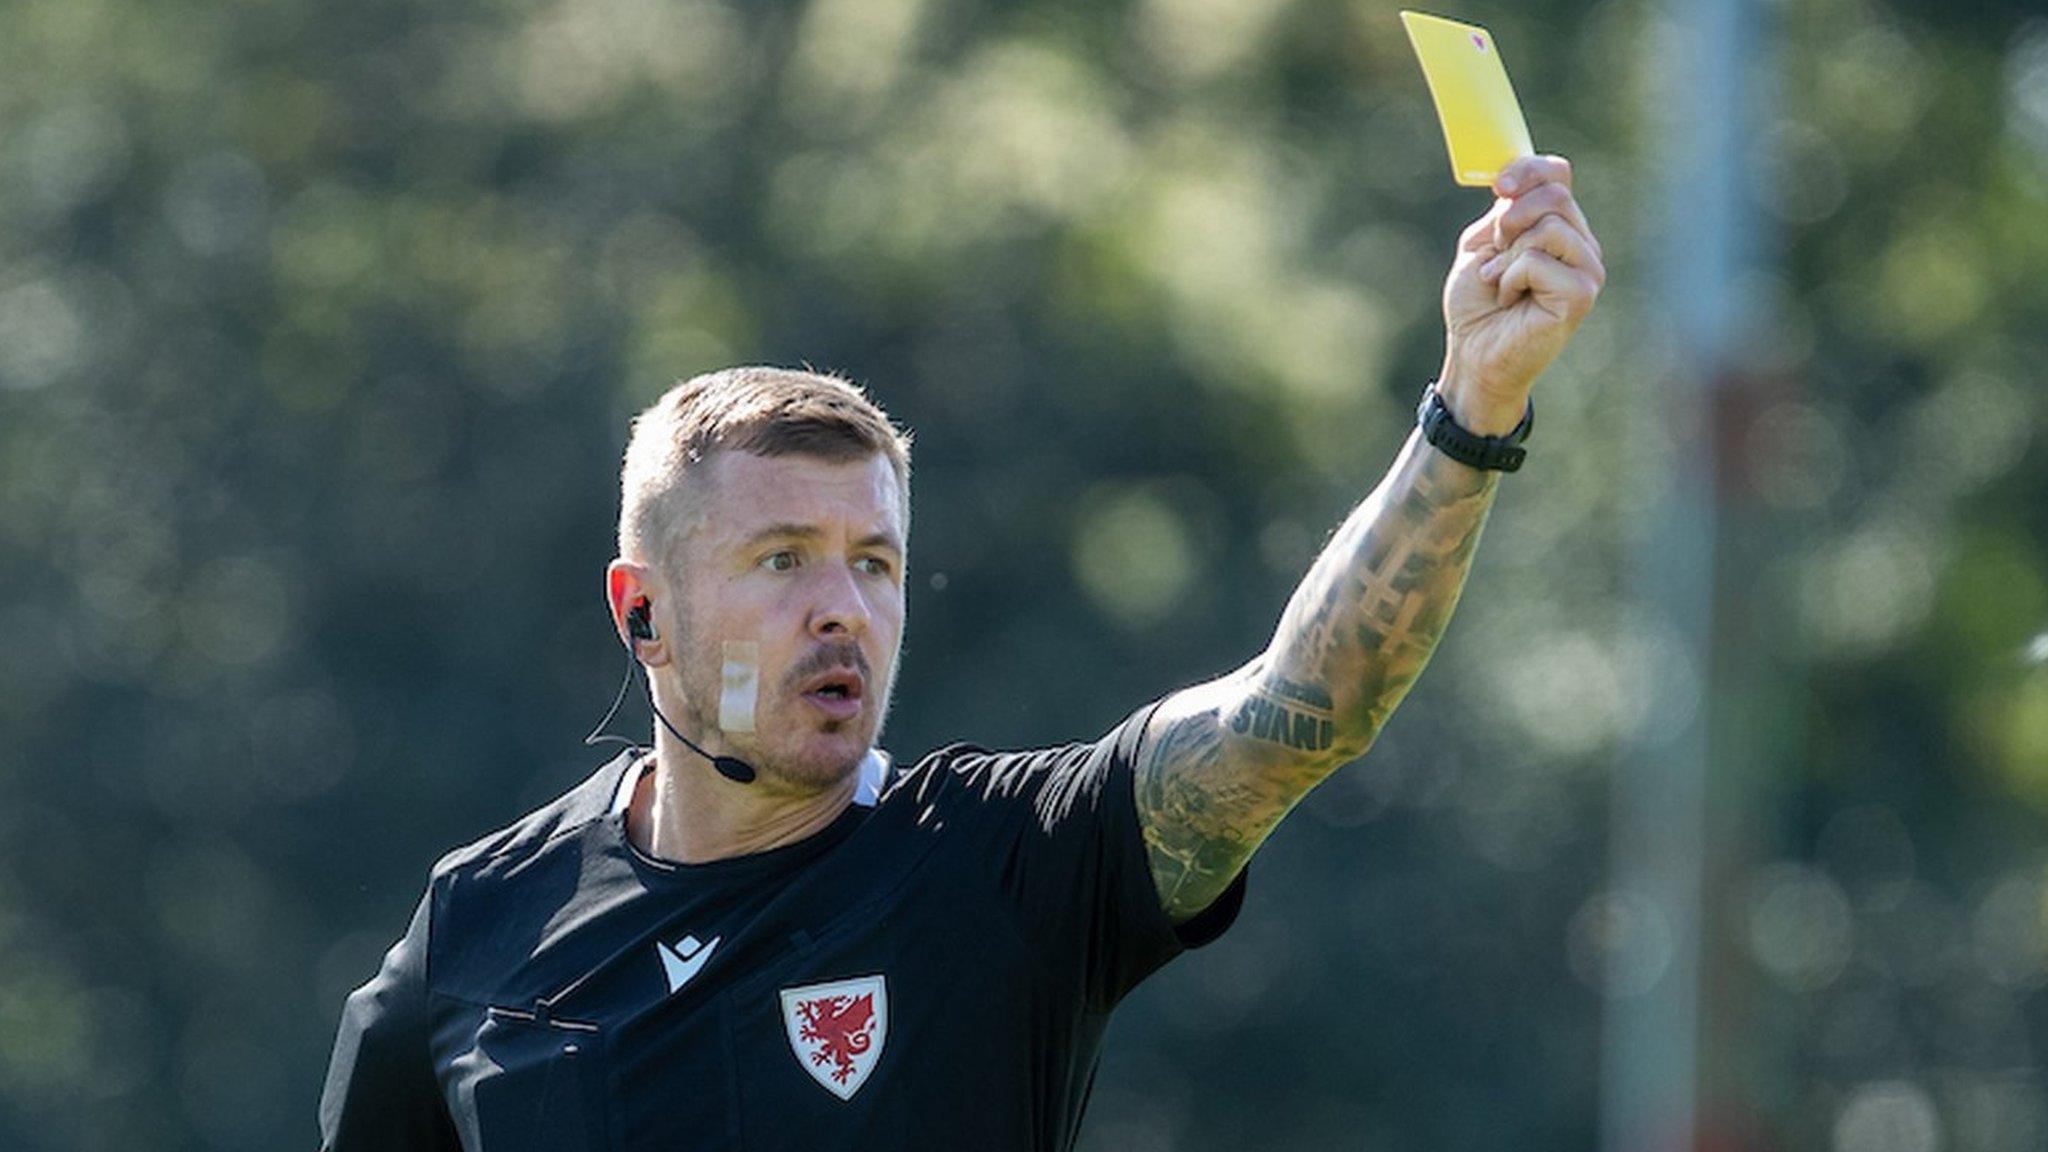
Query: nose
x=841, y=609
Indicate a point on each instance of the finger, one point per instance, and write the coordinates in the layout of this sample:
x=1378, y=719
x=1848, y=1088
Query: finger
x=1530, y=171
x=1479, y=235
x=1549, y=200
x=1559, y=239
x=1553, y=236
x=1556, y=287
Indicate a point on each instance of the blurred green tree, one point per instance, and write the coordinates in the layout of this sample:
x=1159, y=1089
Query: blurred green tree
x=320, y=324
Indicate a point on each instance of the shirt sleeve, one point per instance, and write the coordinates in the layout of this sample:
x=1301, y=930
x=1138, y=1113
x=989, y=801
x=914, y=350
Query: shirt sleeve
x=382, y=1094
x=1060, y=826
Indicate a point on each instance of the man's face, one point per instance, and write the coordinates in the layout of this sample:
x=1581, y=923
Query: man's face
x=803, y=558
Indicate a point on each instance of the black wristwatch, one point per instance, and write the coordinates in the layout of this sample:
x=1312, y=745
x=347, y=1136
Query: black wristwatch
x=1492, y=453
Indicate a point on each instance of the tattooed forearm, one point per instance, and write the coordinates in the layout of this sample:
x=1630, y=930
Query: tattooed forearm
x=1225, y=761
x=1370, y=613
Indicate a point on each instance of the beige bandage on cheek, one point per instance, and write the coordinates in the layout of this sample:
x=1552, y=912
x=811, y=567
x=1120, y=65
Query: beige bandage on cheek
x=741, y=686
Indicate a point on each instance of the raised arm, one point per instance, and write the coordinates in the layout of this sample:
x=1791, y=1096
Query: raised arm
x=1224, y=761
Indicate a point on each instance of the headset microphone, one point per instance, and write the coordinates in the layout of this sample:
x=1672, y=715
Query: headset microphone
x=640, y=626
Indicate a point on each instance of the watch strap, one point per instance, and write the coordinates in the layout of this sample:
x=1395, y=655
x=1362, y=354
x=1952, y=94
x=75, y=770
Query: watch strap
x=1489, y=453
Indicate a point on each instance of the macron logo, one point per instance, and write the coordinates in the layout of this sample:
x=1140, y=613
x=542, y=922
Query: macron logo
x=682, y=961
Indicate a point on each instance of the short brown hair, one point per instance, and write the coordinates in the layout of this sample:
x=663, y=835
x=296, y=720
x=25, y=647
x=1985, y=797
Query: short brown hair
x=763, y=411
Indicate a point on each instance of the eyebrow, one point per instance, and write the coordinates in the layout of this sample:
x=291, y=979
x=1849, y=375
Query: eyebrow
x=793, y=531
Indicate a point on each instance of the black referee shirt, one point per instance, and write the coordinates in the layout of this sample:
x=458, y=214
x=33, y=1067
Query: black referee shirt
x=933, y=971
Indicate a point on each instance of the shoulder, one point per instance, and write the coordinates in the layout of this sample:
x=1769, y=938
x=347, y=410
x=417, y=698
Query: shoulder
x=510, y=848
x=1048, y=779
x=970, y=772
x=502, y=889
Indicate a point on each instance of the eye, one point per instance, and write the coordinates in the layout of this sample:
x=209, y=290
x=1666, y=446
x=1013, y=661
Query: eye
x=874, y=565
x=781, y=561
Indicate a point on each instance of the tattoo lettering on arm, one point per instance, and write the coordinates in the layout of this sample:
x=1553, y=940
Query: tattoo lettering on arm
x=1222, y=762
x=1297, y=716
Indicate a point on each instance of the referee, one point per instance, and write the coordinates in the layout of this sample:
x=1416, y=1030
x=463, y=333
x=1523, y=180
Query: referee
x=761, y=935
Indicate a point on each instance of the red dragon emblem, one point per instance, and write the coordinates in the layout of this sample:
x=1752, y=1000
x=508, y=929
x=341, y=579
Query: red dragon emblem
x=837, y=1030
x=843, y=1026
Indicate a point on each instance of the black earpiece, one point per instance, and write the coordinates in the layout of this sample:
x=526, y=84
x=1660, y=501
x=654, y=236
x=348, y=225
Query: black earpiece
x=639, y=625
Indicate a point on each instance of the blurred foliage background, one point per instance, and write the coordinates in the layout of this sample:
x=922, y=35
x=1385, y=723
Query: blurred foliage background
x=320, y=324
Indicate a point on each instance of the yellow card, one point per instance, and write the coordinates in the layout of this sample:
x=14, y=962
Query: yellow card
x=1483, y=125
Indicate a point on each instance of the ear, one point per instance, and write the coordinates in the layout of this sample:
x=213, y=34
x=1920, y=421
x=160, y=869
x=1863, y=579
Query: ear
x=627, y=583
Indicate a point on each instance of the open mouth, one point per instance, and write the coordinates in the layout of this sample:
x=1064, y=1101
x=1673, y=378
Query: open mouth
x=837, y=693
x=841, y=685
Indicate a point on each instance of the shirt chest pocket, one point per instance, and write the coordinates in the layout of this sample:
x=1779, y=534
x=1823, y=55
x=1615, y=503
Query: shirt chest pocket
x=535, y=1083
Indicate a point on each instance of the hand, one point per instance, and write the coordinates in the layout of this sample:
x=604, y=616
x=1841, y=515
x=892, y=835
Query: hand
x=1525, y=275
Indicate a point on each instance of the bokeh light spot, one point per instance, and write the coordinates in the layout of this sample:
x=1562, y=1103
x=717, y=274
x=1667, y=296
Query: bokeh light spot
x=2010, y=931
x=1862, y=592
x=1619, y=943
x=1132, y=553
x=1798, y=173
x=41, y=335
x=2026, y=72
x=1800, y=927
x=1888, y=1116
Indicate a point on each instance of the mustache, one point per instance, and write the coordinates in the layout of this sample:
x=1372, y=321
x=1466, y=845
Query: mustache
x=827, y=657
